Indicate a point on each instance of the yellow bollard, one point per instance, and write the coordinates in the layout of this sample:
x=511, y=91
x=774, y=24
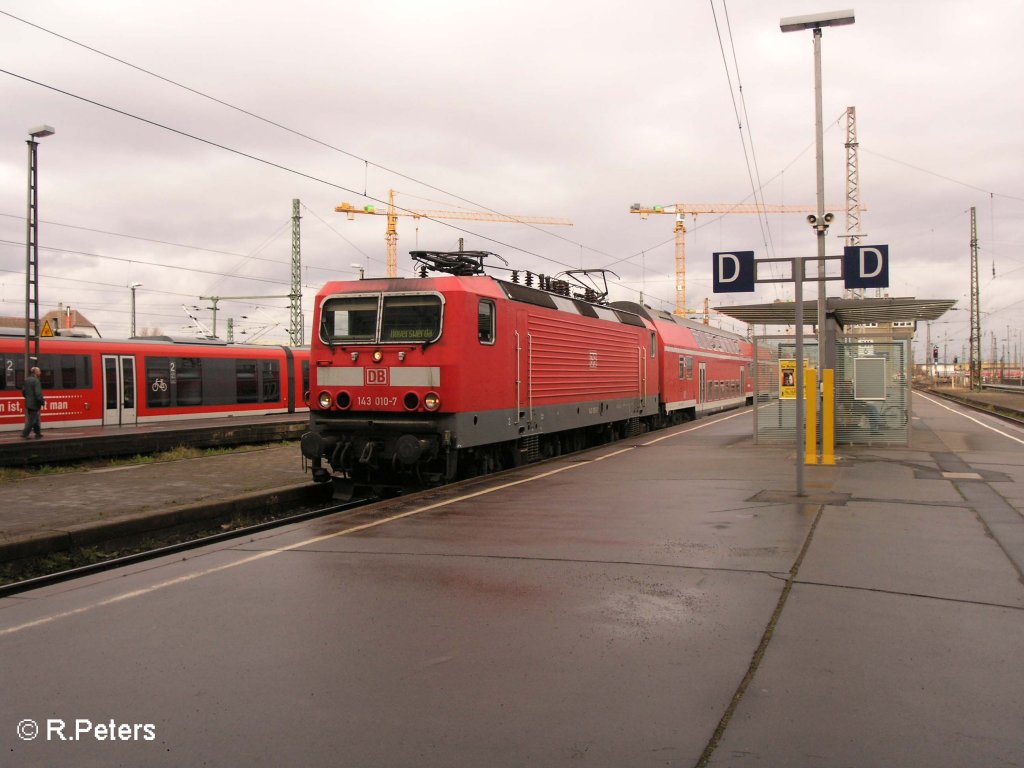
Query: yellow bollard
x=811, y=398
x=828, y=417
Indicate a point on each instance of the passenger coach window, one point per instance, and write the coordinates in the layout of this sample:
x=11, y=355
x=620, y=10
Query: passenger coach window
x=246, y=385
x=10, y=376
x=190, y=380
x=65, y=371
x=158, y=382
x=270, y=376
x=485, y=321
x=411, y=318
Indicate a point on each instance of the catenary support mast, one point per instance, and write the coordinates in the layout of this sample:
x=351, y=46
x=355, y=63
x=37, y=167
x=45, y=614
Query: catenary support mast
x=975, y=306
x=296, y=332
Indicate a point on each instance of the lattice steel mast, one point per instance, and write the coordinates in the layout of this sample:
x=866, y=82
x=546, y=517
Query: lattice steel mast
x=296, y=332
x=853, y=207
x=975, y=306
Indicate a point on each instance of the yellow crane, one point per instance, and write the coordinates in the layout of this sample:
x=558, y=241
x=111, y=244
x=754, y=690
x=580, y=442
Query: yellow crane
x=681, y=209
x=393, y=213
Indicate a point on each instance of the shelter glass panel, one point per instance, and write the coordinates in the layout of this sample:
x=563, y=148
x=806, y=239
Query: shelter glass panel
x=775, y=415
x=872, y=392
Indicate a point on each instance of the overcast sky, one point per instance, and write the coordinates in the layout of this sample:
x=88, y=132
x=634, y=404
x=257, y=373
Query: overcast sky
x=567, y=109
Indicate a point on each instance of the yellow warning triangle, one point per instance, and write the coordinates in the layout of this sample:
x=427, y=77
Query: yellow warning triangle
x=47, y=330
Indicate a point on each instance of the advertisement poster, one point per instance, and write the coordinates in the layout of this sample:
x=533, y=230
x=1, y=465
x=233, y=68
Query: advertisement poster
x=787, y=379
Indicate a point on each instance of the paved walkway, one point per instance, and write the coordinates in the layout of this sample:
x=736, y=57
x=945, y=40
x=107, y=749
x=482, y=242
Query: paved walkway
x=663, y=601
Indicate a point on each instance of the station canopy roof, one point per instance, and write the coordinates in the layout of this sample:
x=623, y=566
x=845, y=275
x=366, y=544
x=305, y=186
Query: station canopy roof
x=847, y=312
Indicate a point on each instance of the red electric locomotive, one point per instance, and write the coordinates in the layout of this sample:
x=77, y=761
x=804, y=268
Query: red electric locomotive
x=94, y=382
x=419, y=381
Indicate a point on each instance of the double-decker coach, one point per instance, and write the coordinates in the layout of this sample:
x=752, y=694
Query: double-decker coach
x=703, y=369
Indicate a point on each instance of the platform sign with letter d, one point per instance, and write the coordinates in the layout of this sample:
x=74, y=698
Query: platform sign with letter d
x=733, y=272
x=866, y=266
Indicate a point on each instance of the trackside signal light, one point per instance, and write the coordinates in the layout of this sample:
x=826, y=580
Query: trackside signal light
x=431, y=401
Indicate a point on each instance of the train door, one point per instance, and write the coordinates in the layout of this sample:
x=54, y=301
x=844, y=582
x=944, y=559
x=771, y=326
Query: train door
x=119, y=408
x=702, y=393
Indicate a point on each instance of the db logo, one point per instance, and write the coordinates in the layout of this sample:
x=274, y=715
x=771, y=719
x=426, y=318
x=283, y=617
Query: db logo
x=377, y=376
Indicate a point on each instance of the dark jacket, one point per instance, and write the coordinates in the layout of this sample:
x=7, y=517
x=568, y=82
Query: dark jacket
x=33, y=392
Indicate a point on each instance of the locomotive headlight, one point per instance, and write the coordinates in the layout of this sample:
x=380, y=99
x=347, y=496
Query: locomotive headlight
x=431, y=401
x=324, y=399
x=377, y=355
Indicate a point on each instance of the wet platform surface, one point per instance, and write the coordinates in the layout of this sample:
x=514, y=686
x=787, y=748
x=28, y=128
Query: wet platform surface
x=665, y=601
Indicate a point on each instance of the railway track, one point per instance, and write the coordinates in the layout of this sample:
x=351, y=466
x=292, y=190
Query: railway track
x=1008, y=409
x=150, y=553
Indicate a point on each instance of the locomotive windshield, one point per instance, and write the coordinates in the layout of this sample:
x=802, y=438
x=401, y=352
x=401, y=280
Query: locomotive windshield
x=410, y=318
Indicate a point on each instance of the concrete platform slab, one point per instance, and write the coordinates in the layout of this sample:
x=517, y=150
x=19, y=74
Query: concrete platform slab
x=942, y=552
x=860, y=678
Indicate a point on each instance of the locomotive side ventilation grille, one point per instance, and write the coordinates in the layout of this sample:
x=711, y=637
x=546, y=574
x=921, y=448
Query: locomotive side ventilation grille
x=530, y=446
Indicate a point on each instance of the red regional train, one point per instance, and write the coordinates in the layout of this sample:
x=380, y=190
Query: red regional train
x=94, y=382
x=417, y=381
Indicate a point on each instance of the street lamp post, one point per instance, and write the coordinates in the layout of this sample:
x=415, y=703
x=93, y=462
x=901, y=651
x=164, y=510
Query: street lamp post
x=815, y=22
x=133, y=287
x=32, y=245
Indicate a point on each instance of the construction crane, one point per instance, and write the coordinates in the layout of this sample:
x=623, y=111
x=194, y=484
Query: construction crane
x=393, y=213
x=681, y=209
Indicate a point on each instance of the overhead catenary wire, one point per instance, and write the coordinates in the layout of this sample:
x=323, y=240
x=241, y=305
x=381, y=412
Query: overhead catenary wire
x=252, y=256
x=750, y=158
x=366, y=162
x=136, y=260
x=284, y=168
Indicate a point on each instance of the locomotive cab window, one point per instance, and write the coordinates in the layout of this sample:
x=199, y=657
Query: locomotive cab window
x=486, y=324
x=414, y=318
x=411, y=318
x=351, y=318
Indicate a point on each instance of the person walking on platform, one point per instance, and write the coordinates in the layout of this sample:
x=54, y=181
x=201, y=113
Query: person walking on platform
x=34, y=400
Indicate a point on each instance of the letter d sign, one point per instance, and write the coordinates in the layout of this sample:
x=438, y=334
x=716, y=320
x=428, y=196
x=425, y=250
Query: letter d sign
x=866, y=266
x=733, y=272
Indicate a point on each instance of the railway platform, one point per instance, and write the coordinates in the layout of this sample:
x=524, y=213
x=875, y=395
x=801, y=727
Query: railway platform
x=67, y=444
x=49, y=513
x=663, y=601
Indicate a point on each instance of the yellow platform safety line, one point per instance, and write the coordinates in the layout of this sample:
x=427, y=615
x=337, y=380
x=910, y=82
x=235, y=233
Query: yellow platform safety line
x=811, y=399
x=828, y=417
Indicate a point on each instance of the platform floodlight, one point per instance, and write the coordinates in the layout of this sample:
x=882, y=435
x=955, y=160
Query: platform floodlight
x=817, y=21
